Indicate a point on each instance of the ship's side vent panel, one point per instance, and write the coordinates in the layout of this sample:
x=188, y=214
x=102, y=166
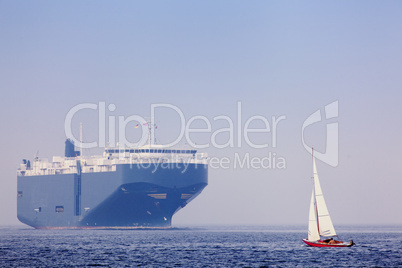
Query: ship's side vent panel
x=186, y=196
x=77, y=194
x=59, y=209
x=158, y=196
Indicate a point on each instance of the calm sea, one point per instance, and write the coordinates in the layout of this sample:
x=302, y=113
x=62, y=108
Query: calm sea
x=197, y=247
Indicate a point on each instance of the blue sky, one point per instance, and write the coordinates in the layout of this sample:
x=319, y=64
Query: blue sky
x=276, y=57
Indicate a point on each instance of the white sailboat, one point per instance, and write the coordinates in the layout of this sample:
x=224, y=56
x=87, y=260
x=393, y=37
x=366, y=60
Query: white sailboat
x=321, y=231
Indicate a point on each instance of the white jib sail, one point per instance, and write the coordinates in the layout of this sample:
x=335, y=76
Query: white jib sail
x=313, y=234
x=325, y=226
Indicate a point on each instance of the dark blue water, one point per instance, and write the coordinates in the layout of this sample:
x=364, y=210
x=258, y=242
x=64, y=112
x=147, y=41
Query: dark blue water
x=197, y=247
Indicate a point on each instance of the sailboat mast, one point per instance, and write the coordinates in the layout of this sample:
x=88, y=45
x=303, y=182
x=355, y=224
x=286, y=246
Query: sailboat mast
x=316, y=214
x=80, y=140
x=315, y=199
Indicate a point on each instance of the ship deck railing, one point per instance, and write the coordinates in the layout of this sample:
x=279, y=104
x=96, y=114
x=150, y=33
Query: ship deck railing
x=105, y=163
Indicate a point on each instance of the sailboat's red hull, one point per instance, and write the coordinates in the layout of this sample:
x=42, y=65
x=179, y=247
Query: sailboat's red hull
x=322, y=244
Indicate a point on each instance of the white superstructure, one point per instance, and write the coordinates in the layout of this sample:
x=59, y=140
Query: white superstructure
x=111, y=157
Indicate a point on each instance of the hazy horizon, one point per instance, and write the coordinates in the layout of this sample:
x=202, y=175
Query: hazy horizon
x=276, y=58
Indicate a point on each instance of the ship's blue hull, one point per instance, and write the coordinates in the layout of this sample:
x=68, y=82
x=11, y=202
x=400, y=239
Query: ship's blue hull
x=133, y=196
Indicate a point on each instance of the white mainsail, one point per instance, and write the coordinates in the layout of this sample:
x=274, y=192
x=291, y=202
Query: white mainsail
x=313, y=234
x=320, y=223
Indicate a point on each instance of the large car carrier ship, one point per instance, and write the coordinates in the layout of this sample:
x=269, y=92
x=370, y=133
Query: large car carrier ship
x=123, y=188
